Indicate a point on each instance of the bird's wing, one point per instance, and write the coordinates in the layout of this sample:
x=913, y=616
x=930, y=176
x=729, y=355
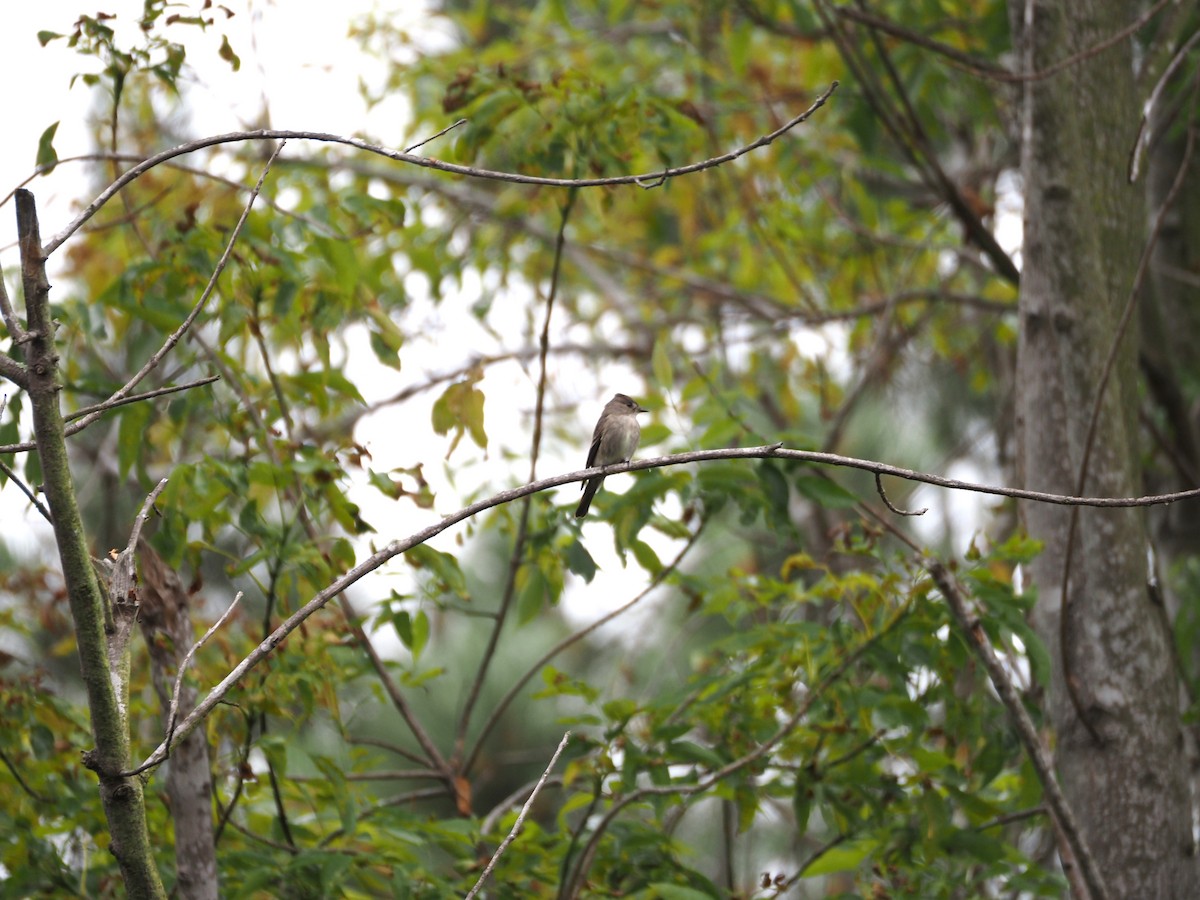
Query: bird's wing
x=594, y=449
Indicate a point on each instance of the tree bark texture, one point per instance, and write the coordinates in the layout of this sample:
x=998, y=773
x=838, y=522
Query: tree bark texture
x=122, y=797
x=1119, y=751
x=167, y=625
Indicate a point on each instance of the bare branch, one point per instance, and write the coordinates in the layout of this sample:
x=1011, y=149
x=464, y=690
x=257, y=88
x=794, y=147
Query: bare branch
x=135, y=398
x=434, y=137
x=512, y=835
x=772, y=451
x=499, y=708
x=13, y=370
x=187, y=661
x=489, y=821
x=518, y=551
x=1142, y=142
x=888, y=503
x=15, y=331
x=1061, y=815
x=177, y=335
x=267, y=134
x=123, y=578
x=27, y=491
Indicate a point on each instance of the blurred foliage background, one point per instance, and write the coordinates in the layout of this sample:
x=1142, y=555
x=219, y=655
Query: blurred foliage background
x=787, y=708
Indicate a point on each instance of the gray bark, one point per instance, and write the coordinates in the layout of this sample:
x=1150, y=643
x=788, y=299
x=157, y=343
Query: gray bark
x=1119, y=750
x=169, y=634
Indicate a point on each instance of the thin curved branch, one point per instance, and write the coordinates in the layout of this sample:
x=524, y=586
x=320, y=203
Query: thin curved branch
x=498, y=710
x=974, y=66
x=9, y=367
x=488, y=822
x=1066, y=826
x=773, y=451
x=82, y=418
x=186, y=324
x=888, y=503
x=26, y=490
x=135, y=398
x=518, y=551
x=1142, y=141
x=16, y=774
x=322, y=228
x=707, y=781
x=512, y=834
x=650, y=179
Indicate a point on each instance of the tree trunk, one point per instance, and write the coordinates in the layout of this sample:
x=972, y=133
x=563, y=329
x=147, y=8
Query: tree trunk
x=1119, y=750
x=167, y=624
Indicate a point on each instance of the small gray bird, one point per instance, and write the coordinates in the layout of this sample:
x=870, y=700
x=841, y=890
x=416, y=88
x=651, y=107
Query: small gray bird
x=614, y=440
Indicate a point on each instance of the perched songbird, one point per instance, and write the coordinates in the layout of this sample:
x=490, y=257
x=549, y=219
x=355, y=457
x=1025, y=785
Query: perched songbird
x=614, y=440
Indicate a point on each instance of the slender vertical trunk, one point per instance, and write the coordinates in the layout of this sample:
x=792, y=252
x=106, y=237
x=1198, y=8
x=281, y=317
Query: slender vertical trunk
x=101, y=629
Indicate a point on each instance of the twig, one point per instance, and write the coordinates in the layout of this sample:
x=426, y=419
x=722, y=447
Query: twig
x=1143, y=136
x=144, y=514
x=177, y=335
x=1061, y=815
x=498, y=710
x=435, y=136
x=34, y=795
x=813, y=857
x=266, y=134
x=173, y=714
x=15, y=329
x=123, y=577
x=888, y=503
x=518, y=551
x=489, y=821
x=772, y=451
x=1019, y=816
x=135, y=398
x=26, y=490
x=512, y=835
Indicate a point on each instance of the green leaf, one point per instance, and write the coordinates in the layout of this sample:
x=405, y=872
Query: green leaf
x=775, y=489
x=420, y=633
x=402, y=622
x=693, y=752
x=824, y=492
x=46, y=154
x=533, y=593
x=459, y=409
x=442, y=566
x=646, y=557
x=135, y=418
x=579, y=560
x=842, y=858
x=226, y=53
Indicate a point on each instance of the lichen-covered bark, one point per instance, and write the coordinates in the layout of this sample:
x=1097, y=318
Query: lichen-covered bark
x=122, y=797
x=1085, y=227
